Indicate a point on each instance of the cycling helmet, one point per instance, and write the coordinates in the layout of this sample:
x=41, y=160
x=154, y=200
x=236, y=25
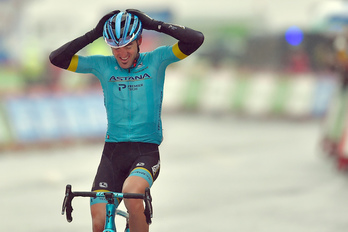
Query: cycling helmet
x=121, y=29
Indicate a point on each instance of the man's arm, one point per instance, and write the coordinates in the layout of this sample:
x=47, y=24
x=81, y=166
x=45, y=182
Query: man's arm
x=189, y=39
x=63, y=56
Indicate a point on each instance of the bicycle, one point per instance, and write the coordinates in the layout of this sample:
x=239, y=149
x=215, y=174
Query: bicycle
x=111, y=210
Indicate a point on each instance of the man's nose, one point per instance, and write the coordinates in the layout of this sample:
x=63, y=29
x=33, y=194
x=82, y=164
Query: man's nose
x=122, y=51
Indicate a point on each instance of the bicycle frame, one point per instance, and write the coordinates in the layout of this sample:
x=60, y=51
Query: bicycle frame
x=111, y=210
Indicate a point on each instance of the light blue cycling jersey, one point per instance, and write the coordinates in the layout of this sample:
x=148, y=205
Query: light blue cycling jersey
x=132, y=97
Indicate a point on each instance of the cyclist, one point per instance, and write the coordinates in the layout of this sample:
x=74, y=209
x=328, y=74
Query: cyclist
x=132, y=83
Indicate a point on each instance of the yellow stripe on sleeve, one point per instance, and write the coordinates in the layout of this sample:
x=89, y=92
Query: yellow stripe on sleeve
x=73, y=63
x=178, y=53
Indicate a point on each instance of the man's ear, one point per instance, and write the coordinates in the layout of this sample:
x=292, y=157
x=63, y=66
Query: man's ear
x=140, y=40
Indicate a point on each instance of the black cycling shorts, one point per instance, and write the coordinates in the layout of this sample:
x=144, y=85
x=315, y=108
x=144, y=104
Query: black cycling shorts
x=120, y=160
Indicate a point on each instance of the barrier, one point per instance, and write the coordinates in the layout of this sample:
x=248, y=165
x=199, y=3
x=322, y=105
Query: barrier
x=342, y=152
x=258, y=95
x=280, y=96
x=55, y=118
x=5, y=136
x=51, y=118
x=300, y=101
x=335, y=134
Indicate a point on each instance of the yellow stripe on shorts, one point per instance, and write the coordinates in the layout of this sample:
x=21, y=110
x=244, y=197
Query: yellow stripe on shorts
x=178, y=53
x=101, y=191
x=73, y=63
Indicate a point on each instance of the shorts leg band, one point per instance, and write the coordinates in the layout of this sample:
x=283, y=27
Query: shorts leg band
x=144, y=173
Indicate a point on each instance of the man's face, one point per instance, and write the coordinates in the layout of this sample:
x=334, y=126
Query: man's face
x=125, y=55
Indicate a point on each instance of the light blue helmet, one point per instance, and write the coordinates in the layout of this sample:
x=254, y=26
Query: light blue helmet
x=121, y=29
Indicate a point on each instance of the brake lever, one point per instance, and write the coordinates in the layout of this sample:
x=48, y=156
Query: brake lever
x=67, y=207
x=148, y=206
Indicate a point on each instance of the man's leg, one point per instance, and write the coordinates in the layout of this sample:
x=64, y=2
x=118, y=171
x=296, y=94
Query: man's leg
x=98, y=216
x=135, y=207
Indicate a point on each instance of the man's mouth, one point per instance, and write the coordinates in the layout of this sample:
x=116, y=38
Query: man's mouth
x=125, y=59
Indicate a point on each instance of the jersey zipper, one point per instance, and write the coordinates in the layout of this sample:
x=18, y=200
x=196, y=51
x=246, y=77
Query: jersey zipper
x=130, y=114
x=130, y=99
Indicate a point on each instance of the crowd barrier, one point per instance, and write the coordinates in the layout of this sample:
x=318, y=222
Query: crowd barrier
x=258, y=95
x=335, y=134
x=51, y=118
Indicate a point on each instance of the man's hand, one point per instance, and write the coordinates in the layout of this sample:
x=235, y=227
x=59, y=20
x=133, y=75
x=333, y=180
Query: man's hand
x=100, y=26
x=147, y=22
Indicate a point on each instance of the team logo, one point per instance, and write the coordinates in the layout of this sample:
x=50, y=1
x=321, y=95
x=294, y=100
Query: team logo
x=103, y=184
x=140, y=65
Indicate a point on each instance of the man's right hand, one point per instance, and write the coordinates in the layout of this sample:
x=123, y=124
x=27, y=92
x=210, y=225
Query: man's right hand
x=100, y=26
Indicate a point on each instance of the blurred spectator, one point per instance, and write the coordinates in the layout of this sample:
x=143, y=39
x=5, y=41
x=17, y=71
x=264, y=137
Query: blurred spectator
x=298, y=61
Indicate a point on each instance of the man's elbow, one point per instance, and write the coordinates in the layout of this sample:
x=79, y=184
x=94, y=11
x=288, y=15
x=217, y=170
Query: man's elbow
x=57, y=60
x=200, y=38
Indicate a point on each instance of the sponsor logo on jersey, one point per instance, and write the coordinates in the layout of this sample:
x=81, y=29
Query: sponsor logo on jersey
x=130, y=87
x=121, y=86
x=130, y=78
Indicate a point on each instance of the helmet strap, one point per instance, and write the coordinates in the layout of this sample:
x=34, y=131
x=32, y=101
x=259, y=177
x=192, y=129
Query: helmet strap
x=137, y=57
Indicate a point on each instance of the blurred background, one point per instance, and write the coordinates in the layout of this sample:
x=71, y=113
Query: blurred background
x=259, y=60
x=264, y=97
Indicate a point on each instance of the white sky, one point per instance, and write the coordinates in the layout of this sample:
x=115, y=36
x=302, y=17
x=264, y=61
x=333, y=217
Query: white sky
x=63, y=20
x=277, y=13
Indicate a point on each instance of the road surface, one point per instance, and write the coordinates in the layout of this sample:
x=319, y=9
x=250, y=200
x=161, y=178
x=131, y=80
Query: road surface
x=217, y=174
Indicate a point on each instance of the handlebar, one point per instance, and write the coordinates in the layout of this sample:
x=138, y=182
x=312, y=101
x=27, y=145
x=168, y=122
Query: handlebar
x=69, y=196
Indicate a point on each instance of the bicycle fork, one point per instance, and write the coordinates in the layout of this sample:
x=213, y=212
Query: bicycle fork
x=110, y=219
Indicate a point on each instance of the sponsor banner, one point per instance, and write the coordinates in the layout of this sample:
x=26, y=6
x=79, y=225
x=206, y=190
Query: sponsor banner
x=53, y=118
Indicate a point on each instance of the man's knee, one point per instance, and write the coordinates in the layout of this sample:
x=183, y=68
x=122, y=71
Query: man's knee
x=134, y=206
x=134, y=184
x=98, y=226
x=98, y=217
